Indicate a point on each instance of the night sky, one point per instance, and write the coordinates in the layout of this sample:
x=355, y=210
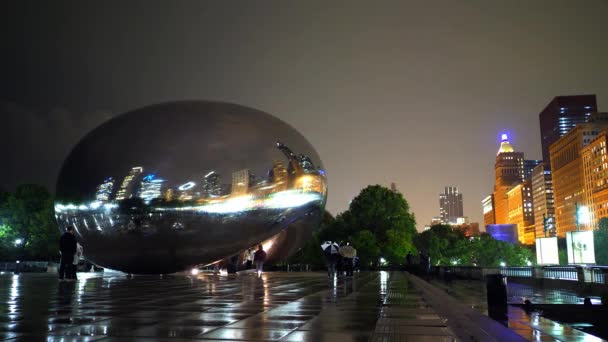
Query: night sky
x=415, y=93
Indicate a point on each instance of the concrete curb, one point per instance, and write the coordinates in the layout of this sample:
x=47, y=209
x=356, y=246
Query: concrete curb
x=468, y=324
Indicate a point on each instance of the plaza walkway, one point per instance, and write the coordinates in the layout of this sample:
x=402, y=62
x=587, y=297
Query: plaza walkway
x=379, y=306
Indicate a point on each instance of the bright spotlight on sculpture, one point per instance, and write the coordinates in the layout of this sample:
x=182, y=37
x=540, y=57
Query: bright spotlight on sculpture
x=170, y=186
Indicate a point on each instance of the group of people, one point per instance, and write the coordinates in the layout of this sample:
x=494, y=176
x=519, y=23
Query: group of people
x=340, y=259
x=71, y=252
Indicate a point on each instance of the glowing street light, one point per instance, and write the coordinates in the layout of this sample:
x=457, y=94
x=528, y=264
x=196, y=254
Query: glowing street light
x=503, y=264
x=582, y=215
x=18, y=242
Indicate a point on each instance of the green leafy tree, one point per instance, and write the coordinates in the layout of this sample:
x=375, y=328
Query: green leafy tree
x=367, y=247
x=600, y=241
x=27, y=216
x=383, y=213
x=398, y=246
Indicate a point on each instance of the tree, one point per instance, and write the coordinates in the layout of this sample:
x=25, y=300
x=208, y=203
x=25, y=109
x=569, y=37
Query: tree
x=367, y=247
x=28, y=228
x=383, y=213
x=600, y=241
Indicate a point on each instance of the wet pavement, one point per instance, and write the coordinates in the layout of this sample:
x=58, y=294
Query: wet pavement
x=531, y=325
x=109, y=306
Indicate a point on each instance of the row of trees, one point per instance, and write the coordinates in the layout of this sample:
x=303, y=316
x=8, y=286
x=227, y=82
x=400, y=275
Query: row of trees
x=379, y=224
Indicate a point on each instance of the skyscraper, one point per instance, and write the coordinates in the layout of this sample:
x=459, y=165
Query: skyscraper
x=568, y=175
x=104, y=190
x=542, y=198
x=595, y=172
x=488, y=210
x=450, y=204
x=129, y=184
x=212, y=185
x=508, y=172
x=561, y=115
x=521, y=212
x=529, y=165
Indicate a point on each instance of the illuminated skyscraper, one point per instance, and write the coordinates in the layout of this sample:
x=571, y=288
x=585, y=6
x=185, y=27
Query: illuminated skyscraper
x=542, y=199
x=129, y=184
x=212, y=185
x=521, y=212
x=508, y=171
x=561, y=115
x=104, y=190
x=488, y=210
x=150, y=188
x=595, y=172
x=568, y=175
x=240, y=182
x=450, y=205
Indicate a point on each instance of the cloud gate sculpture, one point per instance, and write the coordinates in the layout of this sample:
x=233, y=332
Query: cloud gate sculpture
x=173, y=185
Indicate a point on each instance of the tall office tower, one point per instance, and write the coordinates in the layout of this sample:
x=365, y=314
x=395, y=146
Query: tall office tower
x=240, y=182
x=212, y=185
x=595, y=172
x=529, y=165
x=129, y=184
x=150, y=188
x=488, y=210
x=561, y=115
x=568, y=176
x=450, y=205
x=521, y=211
x=508, y=171
x=542, y=198
x=104, y=190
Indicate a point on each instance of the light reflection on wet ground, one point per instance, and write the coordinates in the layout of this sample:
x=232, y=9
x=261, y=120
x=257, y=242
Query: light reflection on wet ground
x=277, y=306
x=529, y=325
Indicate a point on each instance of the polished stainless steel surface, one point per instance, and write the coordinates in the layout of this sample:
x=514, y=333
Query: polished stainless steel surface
x=169, y=186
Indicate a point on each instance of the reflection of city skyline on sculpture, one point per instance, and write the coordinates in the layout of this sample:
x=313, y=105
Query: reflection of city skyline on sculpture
x=170, y=209
x=302, y=176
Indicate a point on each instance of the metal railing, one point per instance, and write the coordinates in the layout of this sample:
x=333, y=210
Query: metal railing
x=522, y=272
x=561, y=272
x=583, y=274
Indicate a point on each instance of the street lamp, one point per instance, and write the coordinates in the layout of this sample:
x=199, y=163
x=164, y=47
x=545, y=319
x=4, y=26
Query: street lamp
x=582, y=215
x=18, y=242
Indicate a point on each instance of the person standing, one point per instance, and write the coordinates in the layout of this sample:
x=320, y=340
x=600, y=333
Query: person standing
x=258, y=258
x=67, y=247
x=77, y=256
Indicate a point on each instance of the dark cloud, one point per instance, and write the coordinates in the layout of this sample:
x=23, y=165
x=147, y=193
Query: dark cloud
x=411, y=92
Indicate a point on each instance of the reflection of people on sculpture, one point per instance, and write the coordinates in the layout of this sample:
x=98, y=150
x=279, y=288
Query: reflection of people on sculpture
x=249, y=255
x=259, y=258
x=67, y=247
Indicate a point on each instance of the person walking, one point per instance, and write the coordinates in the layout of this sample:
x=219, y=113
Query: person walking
x=67, y=247
x=348, y=253
x=77, y=256
x=258, y=258
x=330, y=249
x=249, y=255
